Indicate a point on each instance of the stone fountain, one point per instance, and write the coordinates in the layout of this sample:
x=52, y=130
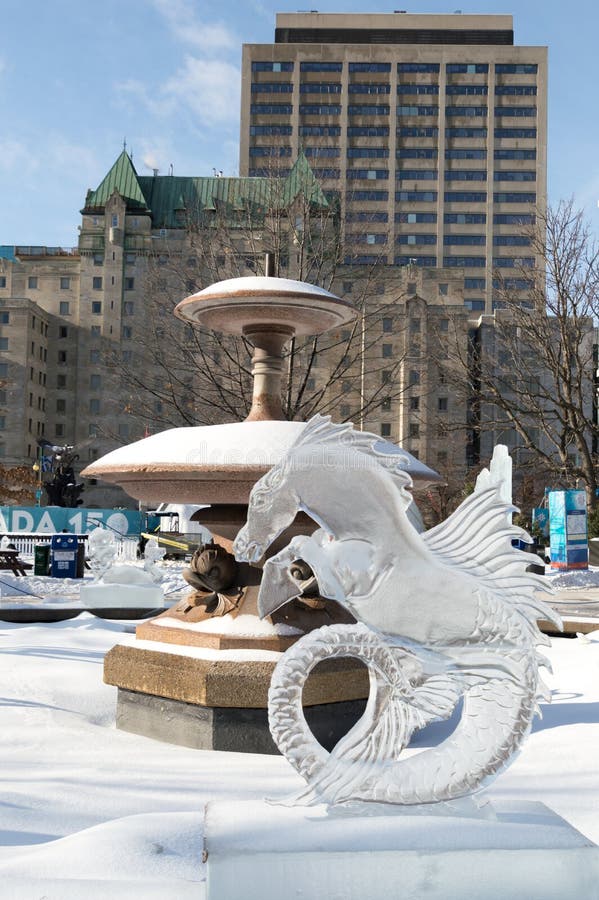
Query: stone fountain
x=198, y=674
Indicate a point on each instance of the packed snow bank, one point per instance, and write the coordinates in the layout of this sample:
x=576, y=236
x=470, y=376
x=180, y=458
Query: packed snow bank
x=86, y=807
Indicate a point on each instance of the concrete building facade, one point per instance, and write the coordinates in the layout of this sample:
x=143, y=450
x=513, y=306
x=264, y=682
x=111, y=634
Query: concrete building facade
x=431, y=130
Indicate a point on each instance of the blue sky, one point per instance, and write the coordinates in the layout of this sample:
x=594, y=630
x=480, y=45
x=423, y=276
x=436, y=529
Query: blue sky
x=79, y=76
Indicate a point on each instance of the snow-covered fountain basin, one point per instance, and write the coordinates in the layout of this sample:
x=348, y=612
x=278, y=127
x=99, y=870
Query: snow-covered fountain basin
x=212, y=464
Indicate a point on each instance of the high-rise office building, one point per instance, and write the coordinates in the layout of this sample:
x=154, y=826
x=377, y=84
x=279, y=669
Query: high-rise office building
x=430, y=128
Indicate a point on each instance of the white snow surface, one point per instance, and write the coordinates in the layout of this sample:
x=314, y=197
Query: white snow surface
x=248, y=626
x=232, y=444
x=252, y=284
x=90, y=811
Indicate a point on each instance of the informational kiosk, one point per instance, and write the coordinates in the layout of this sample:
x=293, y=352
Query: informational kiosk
x=568, y=538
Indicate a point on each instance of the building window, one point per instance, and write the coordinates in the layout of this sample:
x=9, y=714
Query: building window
x=3, y=343
x=94, y=405
x=96, y=330
x=467, y=68
x=418, y=67
x=345, y=410
x=414, y=404
x=61, y=406
x=386, y=429
x=259, y=66
x=96, y=307
x=63, y=308
x=415, y=325
x=32, y=282
x=465, y=218
x=63, y=332
x=3, y=369
x=65, y=283
x=129, y=284
x=127, y=333
x=385, y=376
x=414, y=430
x=95, y=382
x=414, y=377
x=94, y=356
x=98, y=259
x=93, y=429
x=2, y=281
x=442, y=404
x=124, y=431
x=473, y=240
x=387, y=325
x=59, y=430
x=4, y=318
x=387, y=351
x=97, y=282
x=114, y=221
x=442, y=456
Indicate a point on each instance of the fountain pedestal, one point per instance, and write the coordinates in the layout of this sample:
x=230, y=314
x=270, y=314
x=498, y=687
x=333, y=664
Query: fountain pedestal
x=190, y=677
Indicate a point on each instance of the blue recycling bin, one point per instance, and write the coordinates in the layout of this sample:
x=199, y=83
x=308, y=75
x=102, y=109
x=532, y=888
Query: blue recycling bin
x=63, y=553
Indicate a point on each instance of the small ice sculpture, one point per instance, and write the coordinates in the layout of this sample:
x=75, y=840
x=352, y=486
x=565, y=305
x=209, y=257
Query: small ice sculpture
x=121, y=585
x=442, y=616
x=101, y=551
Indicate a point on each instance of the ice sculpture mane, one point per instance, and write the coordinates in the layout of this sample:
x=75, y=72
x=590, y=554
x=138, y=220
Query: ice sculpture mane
x=442, y=616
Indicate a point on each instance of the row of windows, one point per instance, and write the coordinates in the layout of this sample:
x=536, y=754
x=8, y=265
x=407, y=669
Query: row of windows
x=412, y=153
x=413, y=218
x=322, y=151
x=320, y=87
x=275, y=130
x=455, y=68
x=365, y=239
x=273, y=87
x=452, y=197
x=374, y=174
x=332, y=109
x=472, y=240
x=33, y=282
x=363, y=216
x=403, y=153
x=367, y=153
x=270, y=151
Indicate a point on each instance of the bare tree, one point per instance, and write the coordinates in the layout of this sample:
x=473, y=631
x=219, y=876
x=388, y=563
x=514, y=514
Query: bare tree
x=194, y=376
x=531, y=367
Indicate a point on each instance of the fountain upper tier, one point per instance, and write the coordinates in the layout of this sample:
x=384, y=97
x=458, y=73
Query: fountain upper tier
x=244, y=305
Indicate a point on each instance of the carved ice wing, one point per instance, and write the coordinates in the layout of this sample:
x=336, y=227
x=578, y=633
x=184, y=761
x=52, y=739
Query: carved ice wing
x=477, y=538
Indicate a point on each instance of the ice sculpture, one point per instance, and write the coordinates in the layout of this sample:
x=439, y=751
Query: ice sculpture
x=442, y=616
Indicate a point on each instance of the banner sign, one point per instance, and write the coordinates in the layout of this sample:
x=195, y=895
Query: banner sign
x=54, y=519
x=540, y=518
x=568, y=530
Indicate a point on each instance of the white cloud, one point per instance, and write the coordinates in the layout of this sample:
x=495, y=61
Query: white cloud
x=209, y=89
x=16, y=155
x=188, y=28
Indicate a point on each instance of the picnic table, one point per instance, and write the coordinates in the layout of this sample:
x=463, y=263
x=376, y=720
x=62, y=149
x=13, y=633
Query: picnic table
x=9, y=559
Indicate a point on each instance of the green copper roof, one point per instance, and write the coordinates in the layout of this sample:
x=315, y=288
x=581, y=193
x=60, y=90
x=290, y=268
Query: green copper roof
x=121, y=178
x=301, y=180
x=167, y=197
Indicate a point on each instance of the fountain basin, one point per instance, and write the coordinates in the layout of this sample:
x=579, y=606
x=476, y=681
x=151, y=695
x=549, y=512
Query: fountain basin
x=212, y=463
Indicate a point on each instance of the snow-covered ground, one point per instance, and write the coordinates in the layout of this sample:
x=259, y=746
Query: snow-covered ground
x=89, y=811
